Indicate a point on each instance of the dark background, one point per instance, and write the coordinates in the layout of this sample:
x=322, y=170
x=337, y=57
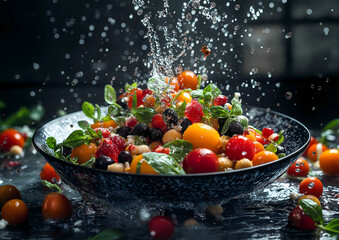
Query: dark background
x=60, y=53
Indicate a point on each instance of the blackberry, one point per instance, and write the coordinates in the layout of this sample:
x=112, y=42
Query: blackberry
x=141, y=129
x=170, y=117
x=66, y=151
x=103, y=162
x=184, y=123
x=124, y=131
x=235, y=128
x=125, y=156
x=155, y=134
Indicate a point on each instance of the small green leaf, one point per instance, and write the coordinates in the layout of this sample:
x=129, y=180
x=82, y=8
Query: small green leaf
x=75, y=139
x=129, y=87
x=98, y=112
x=114, y=109
x=219, y=112
x=312, y=209
x=281, y=137
x=236, y=107
x=83, y=124
x=271, y=148
x=51, y=143
x=199, y=81
x=139, y=166
x=134, y=101
x=179, y=149
x=110, y=94
x=199, y=94
x=109, y=234
x=333, y=226
x=139, y=140
x=163, y=163
x=181, y=109
x=51, y=185
x=212, y=90
x=143, y=114
x=88, y=109
x=281, y=155
x=227, y=125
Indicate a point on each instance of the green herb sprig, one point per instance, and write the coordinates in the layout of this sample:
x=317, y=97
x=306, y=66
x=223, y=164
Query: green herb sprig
x=314, y=211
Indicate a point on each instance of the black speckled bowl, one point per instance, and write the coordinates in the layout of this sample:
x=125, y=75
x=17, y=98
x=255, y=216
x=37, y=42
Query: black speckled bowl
x=221, y=186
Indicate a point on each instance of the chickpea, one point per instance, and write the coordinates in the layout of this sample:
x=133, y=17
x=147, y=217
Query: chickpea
x=243, y=163
x=140, y=149
x=15, y=150
x=171, y=135
x=116, y=167
x=225, y=163
x=224, y=141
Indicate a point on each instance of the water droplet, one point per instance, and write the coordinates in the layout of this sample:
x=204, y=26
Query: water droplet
x=237, y=7
x=288, y=95
x=288, y=35
x=310, y=185
x=297, y=170
x=297, y=164
x=188, y=17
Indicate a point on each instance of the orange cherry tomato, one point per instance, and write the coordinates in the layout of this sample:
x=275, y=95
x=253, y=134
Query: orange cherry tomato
x=299, y=168
x=329, y=162
x=264, y=157
x=144, y=168
x=313, y=141
x=14, y=212
x=184, y=96
x=312, y=152
x=9, y=138
x=56, y=206
x=84, y=152
x=311, y=186
x=174, y=83
x=104, y=124
x=258, y=147
x=8, y=192
x=188, y=79
x=311, y=197
x=48, y=173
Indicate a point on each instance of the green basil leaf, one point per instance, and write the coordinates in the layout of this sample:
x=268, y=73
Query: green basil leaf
x=179, y=149
x=139, y=140
x=129, y=87
x=333, y=226
x=236, y=107
x=281, y=137
x=219, y=112
x=226, y=125
x=139, y=166
x=271, y=148
x=312, y=209
x=181, y=109
x=143, y=114
x=114, y=109
x=243, y=121
x=93, y=134
x=98, y=112
x=109, y=234
x=51, y=143
x=75, y=139
x=331, y=125
x=110, y=94
x=163, y=163
x=83, y=124
x=197, y=94
x=208, y=97
x=119, y=120
x=88, y=109
x=213, y=90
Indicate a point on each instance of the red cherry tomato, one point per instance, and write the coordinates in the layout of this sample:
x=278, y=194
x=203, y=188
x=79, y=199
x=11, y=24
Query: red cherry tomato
x=299, y=168
x=201, y=160
x=161, y=227
x=48, y=173
x=14, y=212
x=9, y=138
x=56, y=206
x=311, y=186
x=8, y=192
x=266, y=132
x=104, y=131
x=313, y=141
x=239, y=147
x=299, y=220
x=130, y=95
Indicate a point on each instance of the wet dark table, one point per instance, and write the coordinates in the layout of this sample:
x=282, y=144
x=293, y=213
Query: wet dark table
x=259, y=215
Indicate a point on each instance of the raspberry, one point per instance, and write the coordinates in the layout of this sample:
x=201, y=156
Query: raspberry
x=131, y=122
x=194, y=111
x=221, y=100
x=158, y=121
x=119, y=142
x=104, y=131
x=266, y=132
x=107, y=148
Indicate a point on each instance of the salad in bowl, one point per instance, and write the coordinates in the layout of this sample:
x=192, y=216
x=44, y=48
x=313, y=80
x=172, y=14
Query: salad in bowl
x=171, y=127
